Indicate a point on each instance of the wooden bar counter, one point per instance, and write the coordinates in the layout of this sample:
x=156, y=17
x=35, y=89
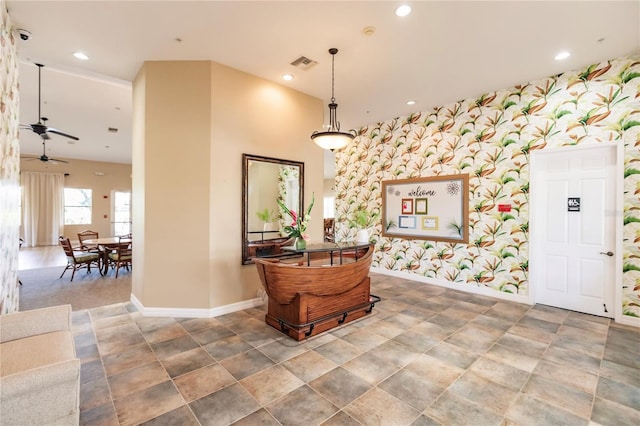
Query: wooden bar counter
x=327, y=287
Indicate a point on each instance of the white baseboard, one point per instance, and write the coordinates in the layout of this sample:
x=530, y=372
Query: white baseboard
x=443, y=283
x=628, y=320
x=194, y=312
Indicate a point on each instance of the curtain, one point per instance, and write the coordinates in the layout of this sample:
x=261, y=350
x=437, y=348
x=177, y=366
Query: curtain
x=42, y=208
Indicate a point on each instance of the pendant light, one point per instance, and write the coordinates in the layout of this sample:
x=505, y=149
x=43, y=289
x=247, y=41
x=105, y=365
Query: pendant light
x=333, y=138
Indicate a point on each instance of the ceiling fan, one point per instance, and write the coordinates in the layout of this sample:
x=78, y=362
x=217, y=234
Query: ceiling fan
x=40, y=128
x=44, y=158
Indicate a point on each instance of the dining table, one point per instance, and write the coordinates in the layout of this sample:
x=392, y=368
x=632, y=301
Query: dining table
x=105, y=246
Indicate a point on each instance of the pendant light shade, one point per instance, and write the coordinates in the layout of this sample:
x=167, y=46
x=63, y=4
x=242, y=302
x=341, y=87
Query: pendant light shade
x=333, y=138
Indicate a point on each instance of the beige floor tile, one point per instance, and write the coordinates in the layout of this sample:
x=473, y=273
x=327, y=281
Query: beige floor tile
x=122, y=361
x=370, y=368
x=340, y=386
x=187, y=361
x=148, y=403
x=268, y=385
x=452, y=409
x=426, y=356
x=202, y=382
x=532, y=411
x=500, y=373
x=137, y=379
x=317, y=409
x=224, y=406
x=487, y=394
x=309, y=366
x=572, y=399
x=439, y=372
x=379, y=407
x=415, y=390
x=578, y=378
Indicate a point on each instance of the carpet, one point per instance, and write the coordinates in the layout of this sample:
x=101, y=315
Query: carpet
x=42, y=287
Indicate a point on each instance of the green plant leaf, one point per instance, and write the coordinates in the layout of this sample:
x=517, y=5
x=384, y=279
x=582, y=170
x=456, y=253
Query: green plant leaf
x=631, y=219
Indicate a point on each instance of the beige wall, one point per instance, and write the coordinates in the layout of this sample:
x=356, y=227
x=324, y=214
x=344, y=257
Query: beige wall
x=138, y=183
x=192, y=123
x=175, y=179
x=82, y=174
x=254, y=116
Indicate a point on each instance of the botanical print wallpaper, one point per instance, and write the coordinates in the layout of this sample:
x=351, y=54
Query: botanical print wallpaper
x=9, y=165
x=491, y=138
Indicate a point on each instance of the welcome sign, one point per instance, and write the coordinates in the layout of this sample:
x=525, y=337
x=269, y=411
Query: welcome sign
x=429, y=208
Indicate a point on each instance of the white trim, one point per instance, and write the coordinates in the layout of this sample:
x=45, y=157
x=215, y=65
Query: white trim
x=195, y=312
x=619, y=213
x=628, y=320
x=484, y=291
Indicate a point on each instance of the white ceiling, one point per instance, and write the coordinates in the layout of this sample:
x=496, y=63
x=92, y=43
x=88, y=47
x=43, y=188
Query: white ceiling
x=442, y=52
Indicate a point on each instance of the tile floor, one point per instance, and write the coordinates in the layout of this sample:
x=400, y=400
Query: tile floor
x=425, y=356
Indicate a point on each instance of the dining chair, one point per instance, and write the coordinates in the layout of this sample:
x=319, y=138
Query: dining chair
x=88, y=235
x=77, y=259
x=329, y=230
x=121, y=256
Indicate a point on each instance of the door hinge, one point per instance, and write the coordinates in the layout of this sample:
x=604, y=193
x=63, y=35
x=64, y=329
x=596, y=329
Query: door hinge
x=605, y=307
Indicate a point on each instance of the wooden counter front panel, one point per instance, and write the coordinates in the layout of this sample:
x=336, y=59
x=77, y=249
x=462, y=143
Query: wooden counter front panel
x=306, y=308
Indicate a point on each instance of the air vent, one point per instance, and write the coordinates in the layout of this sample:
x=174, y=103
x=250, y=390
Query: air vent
x=304, y=63
x=112, y=130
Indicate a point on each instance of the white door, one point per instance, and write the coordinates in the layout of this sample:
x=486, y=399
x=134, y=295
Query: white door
x=573, y=206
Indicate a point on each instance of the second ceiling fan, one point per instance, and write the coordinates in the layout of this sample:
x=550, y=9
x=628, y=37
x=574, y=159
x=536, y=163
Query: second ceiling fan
x=44, y=157
x=41, y=128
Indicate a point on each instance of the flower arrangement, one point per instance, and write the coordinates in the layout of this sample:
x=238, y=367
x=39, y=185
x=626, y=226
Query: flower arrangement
x=299, y=223
x=363, y=218
x=265, y=215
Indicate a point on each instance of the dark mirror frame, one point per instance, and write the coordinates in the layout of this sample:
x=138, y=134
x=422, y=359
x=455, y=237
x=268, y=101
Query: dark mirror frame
x=246, y=159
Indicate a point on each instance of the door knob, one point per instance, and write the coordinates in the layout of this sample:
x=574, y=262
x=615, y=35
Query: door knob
x=609, y=253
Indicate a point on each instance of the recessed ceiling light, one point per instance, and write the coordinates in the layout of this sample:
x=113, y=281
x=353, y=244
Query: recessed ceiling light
x=403, y=10
x=287, y=77
x=411, y=102
x=81, y=56
x=562, y=55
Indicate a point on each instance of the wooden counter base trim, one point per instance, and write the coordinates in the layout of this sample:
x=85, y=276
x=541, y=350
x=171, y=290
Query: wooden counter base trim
x=303, y=331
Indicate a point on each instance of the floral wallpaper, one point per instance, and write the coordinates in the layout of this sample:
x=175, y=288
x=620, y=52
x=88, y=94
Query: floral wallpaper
x=491, y=138
x=9, y=165
x=286, y=174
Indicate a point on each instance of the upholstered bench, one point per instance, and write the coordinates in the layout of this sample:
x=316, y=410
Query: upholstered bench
x=39, y=370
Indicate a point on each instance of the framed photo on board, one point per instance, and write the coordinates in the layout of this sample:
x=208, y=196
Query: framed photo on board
x=427, y=208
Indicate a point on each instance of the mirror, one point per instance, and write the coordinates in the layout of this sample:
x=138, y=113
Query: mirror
x=264, y=180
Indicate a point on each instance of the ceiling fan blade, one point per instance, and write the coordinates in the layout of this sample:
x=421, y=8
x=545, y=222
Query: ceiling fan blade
x=29, y=157
x=58, y=132
x=57, y=160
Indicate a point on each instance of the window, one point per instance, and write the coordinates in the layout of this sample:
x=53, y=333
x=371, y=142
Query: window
x=329, y=207
x=77, y=206
x=121, y=213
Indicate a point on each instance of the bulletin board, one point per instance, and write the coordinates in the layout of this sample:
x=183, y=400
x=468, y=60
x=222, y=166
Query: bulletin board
x=427, y=208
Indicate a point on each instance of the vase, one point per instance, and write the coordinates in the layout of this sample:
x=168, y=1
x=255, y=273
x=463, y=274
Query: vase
x=362, y=236
x=300, y=243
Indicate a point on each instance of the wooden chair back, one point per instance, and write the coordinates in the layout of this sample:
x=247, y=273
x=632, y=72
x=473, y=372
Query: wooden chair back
x=121, y=256
x=66, y=246
x=88, y=235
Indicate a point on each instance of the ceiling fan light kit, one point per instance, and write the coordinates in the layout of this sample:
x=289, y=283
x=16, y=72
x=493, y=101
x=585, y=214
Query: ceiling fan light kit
x=332, y=138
